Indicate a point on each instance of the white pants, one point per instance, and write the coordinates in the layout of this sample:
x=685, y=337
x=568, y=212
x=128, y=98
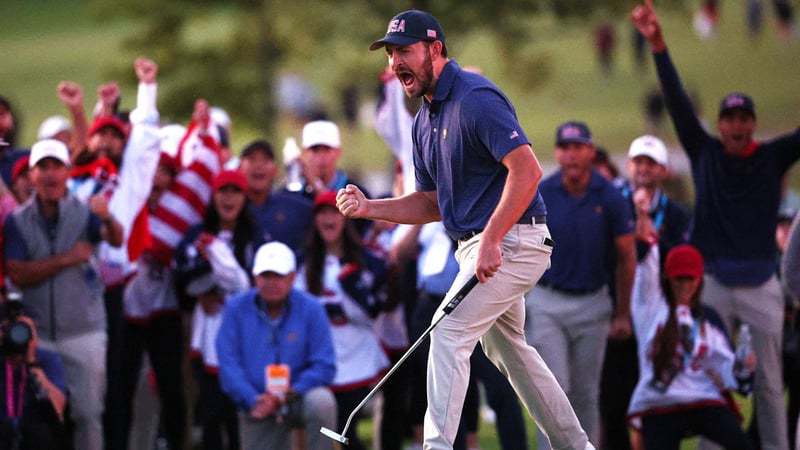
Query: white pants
x=84, y=359
x=494, y=312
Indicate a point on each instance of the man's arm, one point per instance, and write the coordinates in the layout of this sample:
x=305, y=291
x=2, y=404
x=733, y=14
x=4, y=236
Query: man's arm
x=111, y=231
x=680, y=107
x=23, y=272
x=413, y=208
x=524, y=173
x=71, y=95
x=623, y=276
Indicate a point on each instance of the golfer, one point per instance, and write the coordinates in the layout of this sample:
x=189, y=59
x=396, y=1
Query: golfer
x=476, y=172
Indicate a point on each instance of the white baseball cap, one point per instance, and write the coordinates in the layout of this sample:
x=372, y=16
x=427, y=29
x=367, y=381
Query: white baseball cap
x=49, y=148
x=651, y=147
x=52, y=126
x=274, y=257
x=321, y=132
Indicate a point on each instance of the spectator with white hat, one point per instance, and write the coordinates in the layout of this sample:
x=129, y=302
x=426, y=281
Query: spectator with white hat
x=283, y=333
x=48, y=247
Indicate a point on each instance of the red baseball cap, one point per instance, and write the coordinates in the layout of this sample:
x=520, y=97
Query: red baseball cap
x=230, y=178
x=20, y=167
x=327, y=198
x=684, y=260
x=107, y=121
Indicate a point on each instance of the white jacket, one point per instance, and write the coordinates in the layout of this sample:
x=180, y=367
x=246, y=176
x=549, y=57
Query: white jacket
x=693, y=386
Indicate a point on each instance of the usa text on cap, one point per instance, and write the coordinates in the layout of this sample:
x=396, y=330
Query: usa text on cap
x=737, y=100
x=409, y=27
x=573, y=131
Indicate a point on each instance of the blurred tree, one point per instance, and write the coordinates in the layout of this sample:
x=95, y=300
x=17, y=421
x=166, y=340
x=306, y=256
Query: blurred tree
x=231, y=51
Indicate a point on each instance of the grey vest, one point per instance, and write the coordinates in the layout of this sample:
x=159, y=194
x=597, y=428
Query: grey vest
x=70, y=302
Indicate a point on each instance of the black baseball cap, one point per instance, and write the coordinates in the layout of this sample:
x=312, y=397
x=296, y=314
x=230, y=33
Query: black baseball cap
x=737, y=100
x=573, y=131
x=409, y=27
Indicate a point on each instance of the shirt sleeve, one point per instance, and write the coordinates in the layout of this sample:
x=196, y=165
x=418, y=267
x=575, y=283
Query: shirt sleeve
x=53, y=368
x=494, y=122
x=13, y=245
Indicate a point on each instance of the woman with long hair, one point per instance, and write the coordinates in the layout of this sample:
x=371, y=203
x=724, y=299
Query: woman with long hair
x=349, y=280
x=686, y=363
x=214, y=261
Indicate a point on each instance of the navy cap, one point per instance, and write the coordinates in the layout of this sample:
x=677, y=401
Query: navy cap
x=409, y=27
x=573, y=131
x=737, y=100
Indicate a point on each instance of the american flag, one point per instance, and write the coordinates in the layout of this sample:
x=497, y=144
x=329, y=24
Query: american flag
x=184, y=204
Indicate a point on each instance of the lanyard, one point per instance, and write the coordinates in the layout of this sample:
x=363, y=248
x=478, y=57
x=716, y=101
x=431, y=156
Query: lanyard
x=687, y=353
x=14, y=409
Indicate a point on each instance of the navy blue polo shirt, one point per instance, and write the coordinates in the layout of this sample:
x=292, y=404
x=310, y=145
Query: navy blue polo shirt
x=584, y=229
x=736, y=197
x=459, y=139
x=284, y=217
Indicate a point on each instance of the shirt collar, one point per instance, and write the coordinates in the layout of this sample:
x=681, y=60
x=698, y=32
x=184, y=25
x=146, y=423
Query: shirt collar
x=446, y=80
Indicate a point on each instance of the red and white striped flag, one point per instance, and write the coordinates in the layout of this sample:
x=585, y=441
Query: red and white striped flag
x=184, y=204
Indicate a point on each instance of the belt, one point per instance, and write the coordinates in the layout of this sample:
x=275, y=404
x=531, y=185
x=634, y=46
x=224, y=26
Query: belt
x=530, y=220
x=566, y=291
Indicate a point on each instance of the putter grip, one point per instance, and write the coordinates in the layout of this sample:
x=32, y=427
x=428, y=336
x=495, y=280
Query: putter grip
x=451, y=305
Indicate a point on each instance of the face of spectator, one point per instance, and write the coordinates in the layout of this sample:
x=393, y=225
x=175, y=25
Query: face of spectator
x=645, y=172
x=683, y=289
x=329, y=223
x=22, y=187
x=259, y=171
x=49, y=177
x=6, y=121
x=322, y=160
x=274, y=288
x=162, y=180
x=229, y=202
x=107, y=142
x=413, y=66
x=736, y=129
x=575, y=159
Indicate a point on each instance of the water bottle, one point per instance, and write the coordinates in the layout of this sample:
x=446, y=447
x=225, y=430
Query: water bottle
x=294, y=172
x=744, y=346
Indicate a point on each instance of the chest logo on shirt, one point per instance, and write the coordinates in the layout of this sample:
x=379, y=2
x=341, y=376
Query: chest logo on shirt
x=598, y=209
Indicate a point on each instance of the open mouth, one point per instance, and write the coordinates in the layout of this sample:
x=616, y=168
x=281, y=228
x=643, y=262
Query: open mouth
x=406, y=78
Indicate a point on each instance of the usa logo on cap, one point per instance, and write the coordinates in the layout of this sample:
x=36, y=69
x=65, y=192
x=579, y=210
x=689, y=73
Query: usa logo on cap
x=570, y=132
x=734, y=100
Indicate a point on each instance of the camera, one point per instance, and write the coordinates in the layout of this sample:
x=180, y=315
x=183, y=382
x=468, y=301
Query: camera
x=16, y=335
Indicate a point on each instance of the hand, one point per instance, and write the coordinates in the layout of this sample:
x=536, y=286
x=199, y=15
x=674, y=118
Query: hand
x=642, y=201
x=201, y=114
x=265, y=405
x=646, y=21
x=352, y=202
x=81, y=252
x=203, y=241
x=146, y=70
x=108, y=95
x=620, y=327
x=70, y=94
x=490, y=258
x=30, y=354
x=98, y=204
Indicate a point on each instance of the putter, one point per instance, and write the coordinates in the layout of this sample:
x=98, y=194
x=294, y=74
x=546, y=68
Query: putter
x=448, y=308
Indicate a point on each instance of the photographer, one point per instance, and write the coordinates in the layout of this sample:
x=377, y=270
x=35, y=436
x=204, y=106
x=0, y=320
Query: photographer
x=32, y=411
